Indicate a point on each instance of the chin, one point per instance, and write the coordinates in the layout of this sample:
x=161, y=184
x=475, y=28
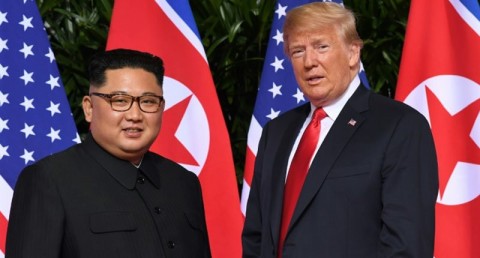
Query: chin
x=131, y=149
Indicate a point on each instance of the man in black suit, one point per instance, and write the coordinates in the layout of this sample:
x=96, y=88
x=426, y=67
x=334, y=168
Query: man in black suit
x=109, y=196
x=372, y=183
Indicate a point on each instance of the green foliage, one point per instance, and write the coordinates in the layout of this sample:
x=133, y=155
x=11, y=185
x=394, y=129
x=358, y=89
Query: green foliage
x=234, y=34
x=77, y=29
x=381, y=25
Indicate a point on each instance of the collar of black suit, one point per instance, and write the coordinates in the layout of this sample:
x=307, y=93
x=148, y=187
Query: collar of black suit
x=123, y=171
x=358, y=101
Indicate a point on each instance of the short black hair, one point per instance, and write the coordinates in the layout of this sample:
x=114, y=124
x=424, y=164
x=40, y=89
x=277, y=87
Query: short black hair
x=123, y=58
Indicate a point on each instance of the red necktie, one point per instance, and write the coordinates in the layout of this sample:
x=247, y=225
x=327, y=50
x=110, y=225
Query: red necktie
x=298, y=171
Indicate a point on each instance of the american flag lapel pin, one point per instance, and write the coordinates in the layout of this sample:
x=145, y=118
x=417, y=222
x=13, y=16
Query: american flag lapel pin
x=352, y=122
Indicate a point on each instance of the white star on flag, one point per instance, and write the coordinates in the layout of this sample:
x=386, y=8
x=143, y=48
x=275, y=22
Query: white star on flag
x=275, y=90
x=50, y=55
x=278, y=64
x=3, y=44
x=26, y=22
x=53, y=82
x=27, y=130
x=54, y=108
x=3, y=124
x=27, y=156
x=26, y=50
x=3, y=99
x=281, y=11
x=278, y=37
x=27, y=77
x=3, y=71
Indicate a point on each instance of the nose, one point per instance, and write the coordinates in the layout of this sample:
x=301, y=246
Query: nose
x=134, y=113
x=310, y=58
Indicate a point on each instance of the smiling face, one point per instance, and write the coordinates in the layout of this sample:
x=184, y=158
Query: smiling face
x=127, y=135
x=323, y=63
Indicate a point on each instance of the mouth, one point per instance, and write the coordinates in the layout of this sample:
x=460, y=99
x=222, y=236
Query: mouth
x=314, y=79
x=132, y=130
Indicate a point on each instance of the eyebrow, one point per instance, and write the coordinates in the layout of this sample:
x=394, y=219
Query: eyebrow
x=126, y=93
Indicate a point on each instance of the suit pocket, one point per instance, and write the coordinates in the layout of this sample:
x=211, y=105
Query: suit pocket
x=193, y=235
x=114, y=221
x=195, y=221
x=349, y=171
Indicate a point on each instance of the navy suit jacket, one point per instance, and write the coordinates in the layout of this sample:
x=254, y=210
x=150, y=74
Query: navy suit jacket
x=370, y=191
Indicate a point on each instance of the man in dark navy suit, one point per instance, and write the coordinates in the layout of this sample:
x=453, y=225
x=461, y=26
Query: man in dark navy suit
x=369, y=187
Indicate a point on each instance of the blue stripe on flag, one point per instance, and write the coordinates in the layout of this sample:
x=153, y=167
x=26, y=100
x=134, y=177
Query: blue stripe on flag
x=182, y=8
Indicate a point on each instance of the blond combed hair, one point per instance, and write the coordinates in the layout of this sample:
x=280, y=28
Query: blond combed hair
x=320, y=15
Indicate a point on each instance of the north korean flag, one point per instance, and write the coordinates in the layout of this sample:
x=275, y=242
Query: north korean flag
x=193, y=131
x=440, y=76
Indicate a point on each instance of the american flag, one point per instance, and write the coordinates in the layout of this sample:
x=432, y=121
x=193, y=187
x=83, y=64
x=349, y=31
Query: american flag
x=35, y=116
x=278, y=91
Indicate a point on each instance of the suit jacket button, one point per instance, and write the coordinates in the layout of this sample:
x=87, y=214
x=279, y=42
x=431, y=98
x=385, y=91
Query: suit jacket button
x=171, y=244
x=141, y=180
x=158, y=210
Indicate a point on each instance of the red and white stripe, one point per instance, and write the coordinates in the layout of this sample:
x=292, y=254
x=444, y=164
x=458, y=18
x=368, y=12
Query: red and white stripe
x=254, y=134
x=5, y=201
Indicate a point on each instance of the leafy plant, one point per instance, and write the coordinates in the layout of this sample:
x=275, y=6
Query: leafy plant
x=235, y=36
x=381, y=25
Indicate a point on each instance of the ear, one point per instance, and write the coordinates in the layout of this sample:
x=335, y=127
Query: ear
x=87, y=108
x=354, y=54
x=162, y=106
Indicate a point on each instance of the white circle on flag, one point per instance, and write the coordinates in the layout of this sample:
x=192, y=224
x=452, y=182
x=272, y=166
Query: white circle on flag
x=193, y=131
x=455, y=93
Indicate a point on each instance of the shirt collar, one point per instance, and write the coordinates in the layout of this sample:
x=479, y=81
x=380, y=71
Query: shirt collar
x=150, y=170
x=123, y=171
x=334, y=109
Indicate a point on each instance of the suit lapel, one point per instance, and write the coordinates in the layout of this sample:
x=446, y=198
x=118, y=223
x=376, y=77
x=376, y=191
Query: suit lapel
x=286, y=140
x=344, y=127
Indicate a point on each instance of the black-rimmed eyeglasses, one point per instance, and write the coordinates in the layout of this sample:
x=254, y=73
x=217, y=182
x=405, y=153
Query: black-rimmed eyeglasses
x=123, y=102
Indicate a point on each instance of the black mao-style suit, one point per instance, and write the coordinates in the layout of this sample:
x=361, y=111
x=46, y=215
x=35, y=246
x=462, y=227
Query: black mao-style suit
x=84, y=202
x=370, y=190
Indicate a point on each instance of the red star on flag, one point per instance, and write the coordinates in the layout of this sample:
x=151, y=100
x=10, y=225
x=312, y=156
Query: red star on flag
x=174, y=149
x=452, y=137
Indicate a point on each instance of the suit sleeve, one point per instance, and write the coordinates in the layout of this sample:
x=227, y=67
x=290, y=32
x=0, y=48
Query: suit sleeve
x=206, y=250
x=252, y=230
x=35, y=226
x=409, y=190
